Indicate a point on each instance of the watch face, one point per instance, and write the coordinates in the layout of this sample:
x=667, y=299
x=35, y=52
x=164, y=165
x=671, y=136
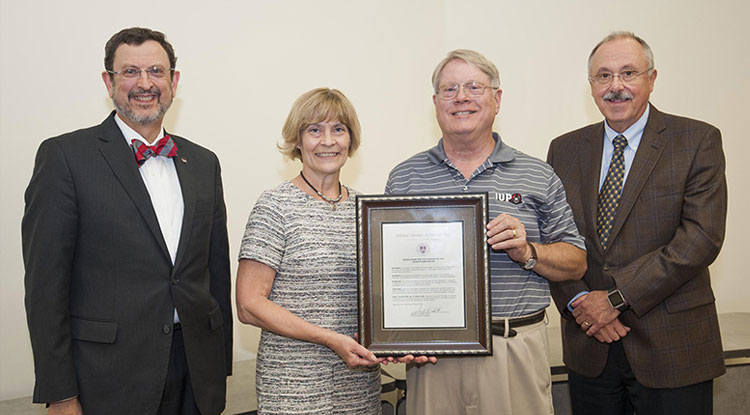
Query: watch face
x=531, y=263
x=615, y=298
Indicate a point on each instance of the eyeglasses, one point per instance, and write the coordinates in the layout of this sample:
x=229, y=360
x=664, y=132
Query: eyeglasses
x=627, y=76
x=474, y=89
x=156, y=72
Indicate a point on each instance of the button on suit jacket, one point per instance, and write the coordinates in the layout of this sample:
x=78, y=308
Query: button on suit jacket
x=668, y=229
x=100, y=286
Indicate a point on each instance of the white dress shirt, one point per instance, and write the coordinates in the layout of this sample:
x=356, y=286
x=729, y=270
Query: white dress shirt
x=160, y=177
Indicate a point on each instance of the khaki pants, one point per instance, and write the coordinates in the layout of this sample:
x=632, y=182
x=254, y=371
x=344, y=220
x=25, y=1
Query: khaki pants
x=514, y=380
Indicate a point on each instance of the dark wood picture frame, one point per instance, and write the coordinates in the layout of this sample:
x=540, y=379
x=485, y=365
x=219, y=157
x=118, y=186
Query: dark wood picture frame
x=474, y=336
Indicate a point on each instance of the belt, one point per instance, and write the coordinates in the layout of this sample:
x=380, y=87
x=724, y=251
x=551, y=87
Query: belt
x=498, y=327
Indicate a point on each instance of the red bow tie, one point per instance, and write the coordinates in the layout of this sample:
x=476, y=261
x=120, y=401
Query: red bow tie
x=164, y=147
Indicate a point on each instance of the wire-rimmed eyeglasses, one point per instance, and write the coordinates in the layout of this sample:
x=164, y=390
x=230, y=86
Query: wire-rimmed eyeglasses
x=474, y=89
x=156, y=72
x=626, y=76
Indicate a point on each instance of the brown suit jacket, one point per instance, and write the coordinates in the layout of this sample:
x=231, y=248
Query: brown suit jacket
x=668, y=229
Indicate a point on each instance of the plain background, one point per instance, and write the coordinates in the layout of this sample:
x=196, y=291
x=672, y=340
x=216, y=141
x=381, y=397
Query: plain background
x=243, y=63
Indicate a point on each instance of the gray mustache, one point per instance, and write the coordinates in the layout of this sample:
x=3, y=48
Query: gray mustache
x=618, y=96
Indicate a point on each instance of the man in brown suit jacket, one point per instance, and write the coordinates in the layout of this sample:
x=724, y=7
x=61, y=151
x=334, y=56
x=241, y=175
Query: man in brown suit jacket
x=640, y=330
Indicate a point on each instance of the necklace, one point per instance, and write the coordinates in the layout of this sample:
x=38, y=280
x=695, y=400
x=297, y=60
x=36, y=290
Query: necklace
x=327, y=199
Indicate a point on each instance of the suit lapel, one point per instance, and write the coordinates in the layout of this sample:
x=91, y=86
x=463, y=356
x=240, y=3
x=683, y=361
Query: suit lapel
x=189, y=196
x=650, y=150
x=119, y=156
x=591, y=165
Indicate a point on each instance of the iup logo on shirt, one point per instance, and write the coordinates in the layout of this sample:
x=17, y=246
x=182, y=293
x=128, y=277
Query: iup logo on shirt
x=514, y=198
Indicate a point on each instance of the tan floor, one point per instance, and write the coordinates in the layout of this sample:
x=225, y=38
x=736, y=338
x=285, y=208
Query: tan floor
x=240, y=394
x=241, y=386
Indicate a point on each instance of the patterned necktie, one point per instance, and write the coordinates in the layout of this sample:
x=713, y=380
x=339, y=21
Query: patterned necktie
x=164, y=147
x=609, y=196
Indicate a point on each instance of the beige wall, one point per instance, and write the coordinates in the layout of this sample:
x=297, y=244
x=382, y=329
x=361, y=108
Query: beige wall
x=244, y=62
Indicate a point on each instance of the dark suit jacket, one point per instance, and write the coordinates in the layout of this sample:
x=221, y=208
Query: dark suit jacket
x=100, y=285
x=668, y=228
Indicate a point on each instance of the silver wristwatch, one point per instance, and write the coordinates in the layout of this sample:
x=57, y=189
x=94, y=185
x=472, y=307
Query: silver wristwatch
x=531, y=262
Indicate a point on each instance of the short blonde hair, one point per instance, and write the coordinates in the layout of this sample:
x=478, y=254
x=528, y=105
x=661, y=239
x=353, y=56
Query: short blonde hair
x=473, y=58
x=312, y=107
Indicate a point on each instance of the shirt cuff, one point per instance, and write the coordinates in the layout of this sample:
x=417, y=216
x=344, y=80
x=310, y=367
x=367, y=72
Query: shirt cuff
x=570, y=308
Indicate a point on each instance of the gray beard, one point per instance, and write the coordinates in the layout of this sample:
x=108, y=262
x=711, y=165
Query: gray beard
x=127, y=112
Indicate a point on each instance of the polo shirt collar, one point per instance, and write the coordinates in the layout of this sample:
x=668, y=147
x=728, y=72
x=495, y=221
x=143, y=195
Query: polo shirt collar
x=502, y=153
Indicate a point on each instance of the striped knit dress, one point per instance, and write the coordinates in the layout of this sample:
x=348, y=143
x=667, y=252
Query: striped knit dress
x=313, y=250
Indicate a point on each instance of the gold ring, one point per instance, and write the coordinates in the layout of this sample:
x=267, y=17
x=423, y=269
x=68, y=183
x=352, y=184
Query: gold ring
x=586, y=323
x=514, y=233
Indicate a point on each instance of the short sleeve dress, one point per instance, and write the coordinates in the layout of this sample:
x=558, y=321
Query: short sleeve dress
x=312, y=247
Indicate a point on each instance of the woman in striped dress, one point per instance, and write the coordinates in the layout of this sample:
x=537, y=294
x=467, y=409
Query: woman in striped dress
x=297, y=277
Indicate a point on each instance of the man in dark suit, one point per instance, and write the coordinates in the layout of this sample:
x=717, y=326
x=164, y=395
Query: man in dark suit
x=126, y=254
x=640, y=330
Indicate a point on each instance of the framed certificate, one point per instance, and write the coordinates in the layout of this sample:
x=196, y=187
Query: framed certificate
x=423, y=267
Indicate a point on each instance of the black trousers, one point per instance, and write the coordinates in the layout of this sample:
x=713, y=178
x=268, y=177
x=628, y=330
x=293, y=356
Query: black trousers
x=617, y=392
x=178, y=398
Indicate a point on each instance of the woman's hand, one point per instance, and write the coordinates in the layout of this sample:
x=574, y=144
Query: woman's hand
x=254, y=282
x=351, y=352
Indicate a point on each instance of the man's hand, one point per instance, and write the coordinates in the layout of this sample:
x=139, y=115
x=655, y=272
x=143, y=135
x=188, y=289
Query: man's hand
x=508, y=233
x=556, y=261
x=417, y=359
x=593, y=311
x=612, y=332
x=69, y=407
x=410, y=359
